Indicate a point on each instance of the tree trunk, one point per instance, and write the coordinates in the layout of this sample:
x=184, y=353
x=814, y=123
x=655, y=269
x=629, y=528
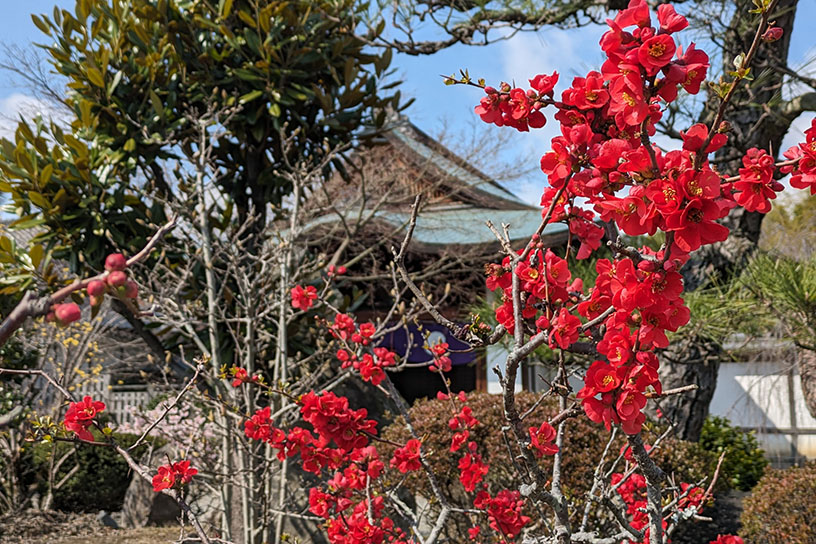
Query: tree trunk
x=756, y=118
x=807, y=371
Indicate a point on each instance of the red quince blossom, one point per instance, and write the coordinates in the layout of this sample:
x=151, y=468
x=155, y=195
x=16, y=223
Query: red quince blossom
x=303, y=298
x=332, y=418
x=670, y=20
x=241, y=376
x=804, y=171
x=756, y=186
x=586, y=92
x=80, y=416
x=471, y=470
x=168, y=476
x=406, y=458
x=258, y=426
x=694, y=138
x=165, y=479
x=565, y=329
x=543, y=83
x=503, y=511
x=441, y=362
x=184, y=472
x=600, y=378
x=695, y=225
x=541, y=440
x=656, y=52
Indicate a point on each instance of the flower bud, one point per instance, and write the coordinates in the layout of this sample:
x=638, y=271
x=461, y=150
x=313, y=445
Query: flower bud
x=115, y=261
x=67, y=313
x=117, y=278
x=772, y=34
x=131, y=289
x=96, y=288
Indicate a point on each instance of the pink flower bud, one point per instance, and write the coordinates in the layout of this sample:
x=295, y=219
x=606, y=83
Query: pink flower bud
x=96, y=288
x=67, y=313
x=117, y=278
x=341, y=270
x=772, y=34
x=131, y=289
x=115, y=261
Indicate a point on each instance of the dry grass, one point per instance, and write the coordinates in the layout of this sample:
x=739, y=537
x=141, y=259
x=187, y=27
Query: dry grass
x=35, y=527
x=149, y=535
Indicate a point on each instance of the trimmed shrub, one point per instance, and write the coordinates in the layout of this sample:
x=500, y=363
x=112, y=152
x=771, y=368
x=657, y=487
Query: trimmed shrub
x=782, y=507
x=99, y=483
x=584, y=443
x=744, y=461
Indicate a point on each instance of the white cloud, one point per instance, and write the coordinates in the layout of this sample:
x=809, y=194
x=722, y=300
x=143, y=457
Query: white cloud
x=528, y=54
x=28, y=107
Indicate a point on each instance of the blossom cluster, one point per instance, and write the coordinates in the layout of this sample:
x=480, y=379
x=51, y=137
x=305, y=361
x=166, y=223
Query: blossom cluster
x=370, y=363
x=173, y=475
x=80, y=415
x=602, y=166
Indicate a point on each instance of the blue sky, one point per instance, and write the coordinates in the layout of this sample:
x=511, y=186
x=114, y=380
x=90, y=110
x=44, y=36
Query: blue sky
x=569, y=52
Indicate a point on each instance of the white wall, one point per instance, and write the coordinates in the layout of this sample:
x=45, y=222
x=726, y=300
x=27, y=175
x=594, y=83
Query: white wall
x=766, y=396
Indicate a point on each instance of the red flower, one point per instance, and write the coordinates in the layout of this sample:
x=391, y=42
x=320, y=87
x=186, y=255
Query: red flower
x=695, y=65
x=258, y=427
x=175, y=473
x=541, y=440
x=695, y=225
x=670, y=20
x=557, y=164
x=695, y=136
x=165, y=479
x=184, y=472
x=303, y=298
x=756, y=186
x=600, y=378
x=565, y=329
x=503, y=511
x=544, y=84
x=80, y=416
x=471, y=470
x=656, y=52
x=587, y=93
x=406, y=458
x=240, y=376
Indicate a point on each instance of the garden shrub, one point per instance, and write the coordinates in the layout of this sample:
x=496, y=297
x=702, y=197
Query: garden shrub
x=584, y=443
x=100, y=482
x=782, y=507
x=744, y=461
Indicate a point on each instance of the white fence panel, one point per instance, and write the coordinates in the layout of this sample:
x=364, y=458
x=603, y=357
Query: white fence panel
x=766, y=397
